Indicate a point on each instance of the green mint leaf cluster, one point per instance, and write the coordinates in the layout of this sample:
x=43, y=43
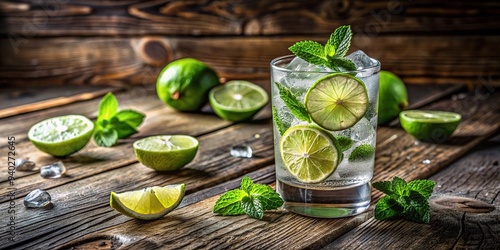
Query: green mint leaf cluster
x=251, y=199
x=406, y=200
x=332, y=54
x=113, y=124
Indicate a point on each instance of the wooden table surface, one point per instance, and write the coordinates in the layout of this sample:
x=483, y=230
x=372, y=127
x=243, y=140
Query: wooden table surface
x=465, y=205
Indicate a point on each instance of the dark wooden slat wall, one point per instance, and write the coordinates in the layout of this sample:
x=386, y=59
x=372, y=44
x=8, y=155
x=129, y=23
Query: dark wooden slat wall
x=120, y=42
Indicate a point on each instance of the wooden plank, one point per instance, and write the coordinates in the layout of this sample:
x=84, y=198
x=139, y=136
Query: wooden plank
x=195, y=224
x=25, y=19
x=53, y=102
x=464, y=211
x=121, y=61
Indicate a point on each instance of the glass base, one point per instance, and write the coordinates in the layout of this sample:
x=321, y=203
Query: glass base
x=324, y=210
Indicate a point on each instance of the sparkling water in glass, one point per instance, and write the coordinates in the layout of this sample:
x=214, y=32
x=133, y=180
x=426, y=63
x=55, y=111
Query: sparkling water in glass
x=348, y=190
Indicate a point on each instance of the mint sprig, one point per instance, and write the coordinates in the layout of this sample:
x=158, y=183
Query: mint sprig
x=406, y=200
x=112, y=124
x=251, y=199
x=332, y=54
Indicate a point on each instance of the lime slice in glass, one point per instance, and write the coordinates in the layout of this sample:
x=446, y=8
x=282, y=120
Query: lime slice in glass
x=166, y=152
x=148, y=203
x=309, y=153
x=237, y=100
x=63, y=135
x=337, y=101
x=428, y=125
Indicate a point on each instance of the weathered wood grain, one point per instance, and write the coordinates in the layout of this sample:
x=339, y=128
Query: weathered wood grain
x=195, y=225
x=222, y=17
x=122, y=61
x=464, y=211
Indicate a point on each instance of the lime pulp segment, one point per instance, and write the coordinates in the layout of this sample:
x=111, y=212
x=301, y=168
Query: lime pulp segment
x=337, y=101
x=429, y=116
x=310, y=154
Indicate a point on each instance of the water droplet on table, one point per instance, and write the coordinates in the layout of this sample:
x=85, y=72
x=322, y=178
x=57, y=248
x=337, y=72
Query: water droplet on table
x=37, y=198
x=54, y=170
x=24, y=165
x=241, y=151
x=426, y=161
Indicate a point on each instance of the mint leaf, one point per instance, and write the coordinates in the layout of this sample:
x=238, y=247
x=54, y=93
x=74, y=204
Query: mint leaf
x=123, y=129
x=310, y=51
x=296, y=107
x=282, y=127
x=387, y=208
x=131, y=117
x=341, y=64
x=399, y=186
x=329, y=51
x=108, y=107
x=230, y=203
x=384, y=186
x=424, y=187
x=246, y=184
x=341, y=40
x=417, y=208
x=267, y=196
x=105, y=137
x=252, y=207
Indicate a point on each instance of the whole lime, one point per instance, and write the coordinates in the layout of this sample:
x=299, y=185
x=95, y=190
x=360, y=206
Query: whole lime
x=393, y=97
x=184, y=84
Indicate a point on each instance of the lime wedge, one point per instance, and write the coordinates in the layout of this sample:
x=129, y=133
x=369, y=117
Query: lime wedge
x=337, y=101
x=237, y=100
x=309, y=153
x=148, y=203
x=430, y=126
x=166, y=152
x=62, y=135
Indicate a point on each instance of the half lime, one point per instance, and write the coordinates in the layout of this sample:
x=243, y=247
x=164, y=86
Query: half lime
x=429, y=125
x=237, y=100
x=63, y=135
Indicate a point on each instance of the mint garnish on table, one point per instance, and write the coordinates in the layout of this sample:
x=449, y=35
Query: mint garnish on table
x=332, y=54
x=252, y=199
x=406, y=200
x=112, y=124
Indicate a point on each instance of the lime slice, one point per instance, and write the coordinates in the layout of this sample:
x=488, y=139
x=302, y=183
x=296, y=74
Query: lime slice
x=309, y=153
x=62, y=135
x=427, y=125
x=237, y=100
x=149, y=203
x=166, y=152
x=337, y=101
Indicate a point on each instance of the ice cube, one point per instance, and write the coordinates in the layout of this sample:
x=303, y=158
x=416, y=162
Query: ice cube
x=362, y=61
x=24, y=164
x=362, y=130
x=299, y=64
x=241, y=151
x=37, y=198
x=54, y=170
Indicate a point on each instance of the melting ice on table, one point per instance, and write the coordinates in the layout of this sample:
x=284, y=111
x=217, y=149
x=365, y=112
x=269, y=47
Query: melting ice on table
x=24, y=165
x=37, y=198
x=54, y=170
x=241, y=151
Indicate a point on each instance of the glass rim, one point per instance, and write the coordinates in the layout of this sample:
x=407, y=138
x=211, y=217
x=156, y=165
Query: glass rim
x=274, y=65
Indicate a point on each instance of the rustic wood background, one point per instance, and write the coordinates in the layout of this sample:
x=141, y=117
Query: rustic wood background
x=123, y=42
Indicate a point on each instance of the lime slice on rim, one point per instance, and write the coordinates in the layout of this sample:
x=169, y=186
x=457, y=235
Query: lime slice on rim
x=237, y=100
x=337, y=101
x=166, y=152
x=62, y=135
x=427, y=125
x=148, y=203
x=309, y=153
